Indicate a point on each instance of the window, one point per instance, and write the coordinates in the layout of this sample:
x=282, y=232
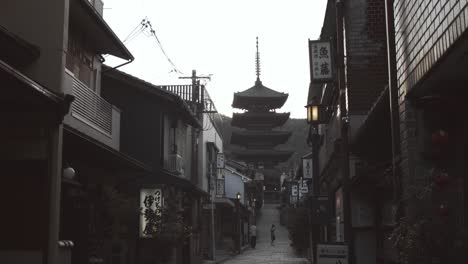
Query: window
x=79, y=61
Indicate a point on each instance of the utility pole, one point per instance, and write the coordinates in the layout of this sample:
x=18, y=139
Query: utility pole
x=198, y=107
x=344, y=123
x=196, y=98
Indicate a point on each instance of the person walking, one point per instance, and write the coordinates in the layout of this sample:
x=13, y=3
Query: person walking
x=272, y=232
x=253, y=235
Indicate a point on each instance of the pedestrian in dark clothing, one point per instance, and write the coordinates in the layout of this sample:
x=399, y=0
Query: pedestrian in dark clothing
x=253, y=235
x=272, y=232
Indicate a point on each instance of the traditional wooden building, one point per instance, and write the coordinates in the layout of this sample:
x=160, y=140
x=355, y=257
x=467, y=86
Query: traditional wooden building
x=259, y=119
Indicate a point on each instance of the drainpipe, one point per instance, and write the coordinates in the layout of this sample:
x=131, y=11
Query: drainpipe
x=394, y=107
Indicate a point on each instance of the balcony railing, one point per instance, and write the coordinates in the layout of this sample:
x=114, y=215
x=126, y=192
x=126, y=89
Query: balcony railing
x=88, y=105
x=91, y=114
x=175, y=164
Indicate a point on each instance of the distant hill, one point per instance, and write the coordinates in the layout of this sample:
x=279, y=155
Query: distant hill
x=297, y=141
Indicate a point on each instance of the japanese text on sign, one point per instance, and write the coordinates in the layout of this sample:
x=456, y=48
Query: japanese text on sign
x=321, y=61
x=151, y=202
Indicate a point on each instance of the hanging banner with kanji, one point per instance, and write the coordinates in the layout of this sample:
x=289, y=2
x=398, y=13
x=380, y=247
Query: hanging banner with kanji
x=307, y=168
x=151, y=202
x=321, y=61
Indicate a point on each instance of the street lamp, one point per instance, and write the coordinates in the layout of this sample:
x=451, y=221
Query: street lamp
x=315, y=113
x=68, y=172
x=238, y=196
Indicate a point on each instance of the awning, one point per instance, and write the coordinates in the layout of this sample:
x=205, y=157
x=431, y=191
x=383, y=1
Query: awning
x=224, y=201
x=83, y=149
x=98, y=33
x=164, y=177
x=24, y=102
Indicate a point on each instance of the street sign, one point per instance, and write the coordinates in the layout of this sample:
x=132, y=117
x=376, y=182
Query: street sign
x=332, y=254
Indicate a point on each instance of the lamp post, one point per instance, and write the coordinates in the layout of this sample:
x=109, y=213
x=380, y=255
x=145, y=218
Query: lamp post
x=238, y=222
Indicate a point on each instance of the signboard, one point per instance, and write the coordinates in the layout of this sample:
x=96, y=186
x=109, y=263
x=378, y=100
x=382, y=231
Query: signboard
x=220, y=160
x=320, y=210
x=332, y=254
x=321, y=62
x=304, y=187
x=151, y=202
x=220, y=187
x=307, y=168
x=294, y=190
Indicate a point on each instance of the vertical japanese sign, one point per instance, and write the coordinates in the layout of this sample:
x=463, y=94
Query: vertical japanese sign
x=321, y=61
x=151, y=202
x=220, y=188
x=220, y=161
x=307, y=168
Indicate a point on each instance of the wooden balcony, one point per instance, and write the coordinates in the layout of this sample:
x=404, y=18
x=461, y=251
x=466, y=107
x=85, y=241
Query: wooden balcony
x=91, y=114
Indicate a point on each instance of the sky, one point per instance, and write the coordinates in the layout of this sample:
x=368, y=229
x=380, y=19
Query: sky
x=217, y=38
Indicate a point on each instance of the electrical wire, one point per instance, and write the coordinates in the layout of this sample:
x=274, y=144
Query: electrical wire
x=153, y=33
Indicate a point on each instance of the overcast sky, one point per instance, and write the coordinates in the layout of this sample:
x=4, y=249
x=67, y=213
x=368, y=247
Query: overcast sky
x=217, y=38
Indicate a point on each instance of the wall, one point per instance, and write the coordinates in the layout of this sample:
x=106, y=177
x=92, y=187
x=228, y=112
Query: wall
x=140, y=124
x=366, y=53
x=44, y=24
x=209, y=134
x=424, y=32
x=233, y=184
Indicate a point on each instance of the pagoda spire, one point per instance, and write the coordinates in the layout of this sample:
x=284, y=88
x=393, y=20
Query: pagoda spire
x=257, y=63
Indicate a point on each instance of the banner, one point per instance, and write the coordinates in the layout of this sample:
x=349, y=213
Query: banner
x=307, y=168
x=220, y=161
x=151, y=202
x=321, y=62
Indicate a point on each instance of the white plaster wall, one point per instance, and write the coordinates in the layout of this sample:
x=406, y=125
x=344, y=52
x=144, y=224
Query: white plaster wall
x=209, y=134
x=233, y=184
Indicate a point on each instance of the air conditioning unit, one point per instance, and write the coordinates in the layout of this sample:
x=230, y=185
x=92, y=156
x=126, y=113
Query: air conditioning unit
x=175, y=163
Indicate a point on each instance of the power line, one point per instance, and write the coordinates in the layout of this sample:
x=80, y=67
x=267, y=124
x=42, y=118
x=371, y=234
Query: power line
x=153, y=33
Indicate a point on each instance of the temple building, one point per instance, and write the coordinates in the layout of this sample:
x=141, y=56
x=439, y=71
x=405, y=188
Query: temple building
x=258, y=137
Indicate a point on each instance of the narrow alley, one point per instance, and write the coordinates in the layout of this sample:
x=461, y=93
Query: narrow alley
x=264, y=252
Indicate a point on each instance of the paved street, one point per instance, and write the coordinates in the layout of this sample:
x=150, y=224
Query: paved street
x=281, y=252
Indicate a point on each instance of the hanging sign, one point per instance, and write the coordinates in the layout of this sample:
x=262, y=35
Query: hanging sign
x=151, y=202
x=321, y=62
x=294, y=190
x=307, y=168
x=220, y=161
x=220, y=187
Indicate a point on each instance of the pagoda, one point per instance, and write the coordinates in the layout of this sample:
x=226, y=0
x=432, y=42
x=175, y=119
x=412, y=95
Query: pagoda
x=258, y=136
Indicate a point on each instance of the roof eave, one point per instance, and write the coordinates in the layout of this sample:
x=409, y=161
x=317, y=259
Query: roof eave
x=99, y=29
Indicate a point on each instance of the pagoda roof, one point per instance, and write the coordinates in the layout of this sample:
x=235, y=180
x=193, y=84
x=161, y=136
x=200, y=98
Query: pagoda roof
x=267, y=138
x=259, y=96
x=263, y=155
x=254, y=120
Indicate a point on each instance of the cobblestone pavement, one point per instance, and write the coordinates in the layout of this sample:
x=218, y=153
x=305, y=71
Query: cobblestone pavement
x=280, y=252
